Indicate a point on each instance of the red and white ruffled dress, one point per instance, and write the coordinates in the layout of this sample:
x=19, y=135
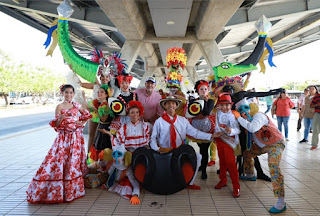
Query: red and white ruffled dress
x=132, y=136
x=60, y=176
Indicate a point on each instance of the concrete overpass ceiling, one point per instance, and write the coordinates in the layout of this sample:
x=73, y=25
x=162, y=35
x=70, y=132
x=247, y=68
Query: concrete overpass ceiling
x=170, y=19
x=184, y=23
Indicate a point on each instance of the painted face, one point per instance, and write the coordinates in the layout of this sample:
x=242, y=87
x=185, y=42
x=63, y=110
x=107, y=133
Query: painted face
x=224, y=107
x=170, y=106
x=203, y=90
x=134, y=114
x=102, y=94
x=124, y=86
x=68, y=94
x=173, y=90
x=150, y=86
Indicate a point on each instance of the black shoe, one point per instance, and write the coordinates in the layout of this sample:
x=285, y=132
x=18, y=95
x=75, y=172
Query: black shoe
x=303, y=141
x=298, y=130
x=264, y=177
x=310, y=131
x=204, y=175
x=218, y=171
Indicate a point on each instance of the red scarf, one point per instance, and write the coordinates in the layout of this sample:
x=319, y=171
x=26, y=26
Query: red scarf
x=173, y=134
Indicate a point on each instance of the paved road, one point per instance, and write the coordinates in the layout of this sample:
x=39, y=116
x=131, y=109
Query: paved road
x=16, y=124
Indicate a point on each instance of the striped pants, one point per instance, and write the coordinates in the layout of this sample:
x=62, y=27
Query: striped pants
x=274, y=157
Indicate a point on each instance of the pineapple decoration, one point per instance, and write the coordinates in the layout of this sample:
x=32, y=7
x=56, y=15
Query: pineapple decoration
x=176, y=61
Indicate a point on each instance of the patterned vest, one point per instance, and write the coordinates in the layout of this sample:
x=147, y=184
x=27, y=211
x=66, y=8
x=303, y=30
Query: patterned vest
x=269, y=134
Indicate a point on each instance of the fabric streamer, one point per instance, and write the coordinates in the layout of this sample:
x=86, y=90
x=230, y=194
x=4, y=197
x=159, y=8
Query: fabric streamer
x=268, y=50
x=52, y=33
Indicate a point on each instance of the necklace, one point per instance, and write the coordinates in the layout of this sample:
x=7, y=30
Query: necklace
x=67, y=101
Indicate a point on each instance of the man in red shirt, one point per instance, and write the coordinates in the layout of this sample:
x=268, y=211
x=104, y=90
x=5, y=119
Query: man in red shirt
x=315, y=121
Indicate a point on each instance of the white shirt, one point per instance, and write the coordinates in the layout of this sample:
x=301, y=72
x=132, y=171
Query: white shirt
x=228, y=120
x=135, y=136
x=161, y=132
x=301, y=100
x=258, y=121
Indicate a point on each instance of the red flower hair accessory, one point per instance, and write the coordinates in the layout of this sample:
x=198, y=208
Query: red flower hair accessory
x=126, y=78
x=201, y=83
x=61, y=88
x=135, y=104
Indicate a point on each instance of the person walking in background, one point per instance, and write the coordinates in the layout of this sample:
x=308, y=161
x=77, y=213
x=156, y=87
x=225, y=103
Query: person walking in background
x=315, y=121
x=269, y=101
x=300, y=104
x=307, y=112
x=282, y=106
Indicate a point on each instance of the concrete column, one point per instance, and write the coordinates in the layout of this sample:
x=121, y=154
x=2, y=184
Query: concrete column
x=211, y=53
x=193, y=74
x=130, y=51
x=148, y=73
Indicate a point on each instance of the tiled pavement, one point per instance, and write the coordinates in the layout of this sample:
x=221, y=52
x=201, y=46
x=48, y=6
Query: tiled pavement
x=21, y=155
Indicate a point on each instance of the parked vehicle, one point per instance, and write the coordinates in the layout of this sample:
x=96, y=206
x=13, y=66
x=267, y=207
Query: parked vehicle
x=295, y=101
x=21, y=100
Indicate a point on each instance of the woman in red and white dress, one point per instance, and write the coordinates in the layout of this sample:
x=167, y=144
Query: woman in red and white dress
x=60, y=176
x=134, y=134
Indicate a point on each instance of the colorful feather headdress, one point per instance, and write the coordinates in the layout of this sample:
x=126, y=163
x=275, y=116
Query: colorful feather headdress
x=236, y=82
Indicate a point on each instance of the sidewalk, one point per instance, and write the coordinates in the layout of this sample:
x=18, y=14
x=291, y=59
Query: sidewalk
x=19, y=110
x=21, y=156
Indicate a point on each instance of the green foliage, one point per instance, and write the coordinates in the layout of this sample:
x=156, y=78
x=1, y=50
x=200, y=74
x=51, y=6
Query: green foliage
x=300, y=86
x=16, y=77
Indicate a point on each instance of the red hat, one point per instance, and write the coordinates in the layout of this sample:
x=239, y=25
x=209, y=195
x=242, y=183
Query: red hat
x=224, y=99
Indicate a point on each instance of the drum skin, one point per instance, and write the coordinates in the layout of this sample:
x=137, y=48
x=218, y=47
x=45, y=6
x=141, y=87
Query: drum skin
x=165, y=173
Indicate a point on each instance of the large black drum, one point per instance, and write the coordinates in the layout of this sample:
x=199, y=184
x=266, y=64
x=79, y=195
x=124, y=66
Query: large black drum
x=165, y=173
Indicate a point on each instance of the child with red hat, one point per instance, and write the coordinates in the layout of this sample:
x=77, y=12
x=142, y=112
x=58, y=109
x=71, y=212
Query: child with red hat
x=226, y=136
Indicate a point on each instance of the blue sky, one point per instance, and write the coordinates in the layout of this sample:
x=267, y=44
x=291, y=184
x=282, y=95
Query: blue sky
x=24, y=43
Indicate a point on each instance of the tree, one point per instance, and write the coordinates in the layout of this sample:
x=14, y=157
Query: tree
x=7, y=75
x=300, y=86
x=21, y=77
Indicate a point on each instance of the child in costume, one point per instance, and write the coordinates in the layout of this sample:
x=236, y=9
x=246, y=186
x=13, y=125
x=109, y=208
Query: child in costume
x=266, y=138
x=134, y=134
x=101, y=113
x=227, y=138
x=125, y=96
x=104, y=78
x=121, y=179
x=170, y=130
x=60, y=176
x=203, y=121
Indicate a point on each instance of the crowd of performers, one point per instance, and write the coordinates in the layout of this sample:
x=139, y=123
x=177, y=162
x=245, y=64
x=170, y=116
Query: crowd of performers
x=220, y=118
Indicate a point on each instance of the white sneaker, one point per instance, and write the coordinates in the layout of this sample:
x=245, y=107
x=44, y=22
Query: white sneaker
x=287, y=139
